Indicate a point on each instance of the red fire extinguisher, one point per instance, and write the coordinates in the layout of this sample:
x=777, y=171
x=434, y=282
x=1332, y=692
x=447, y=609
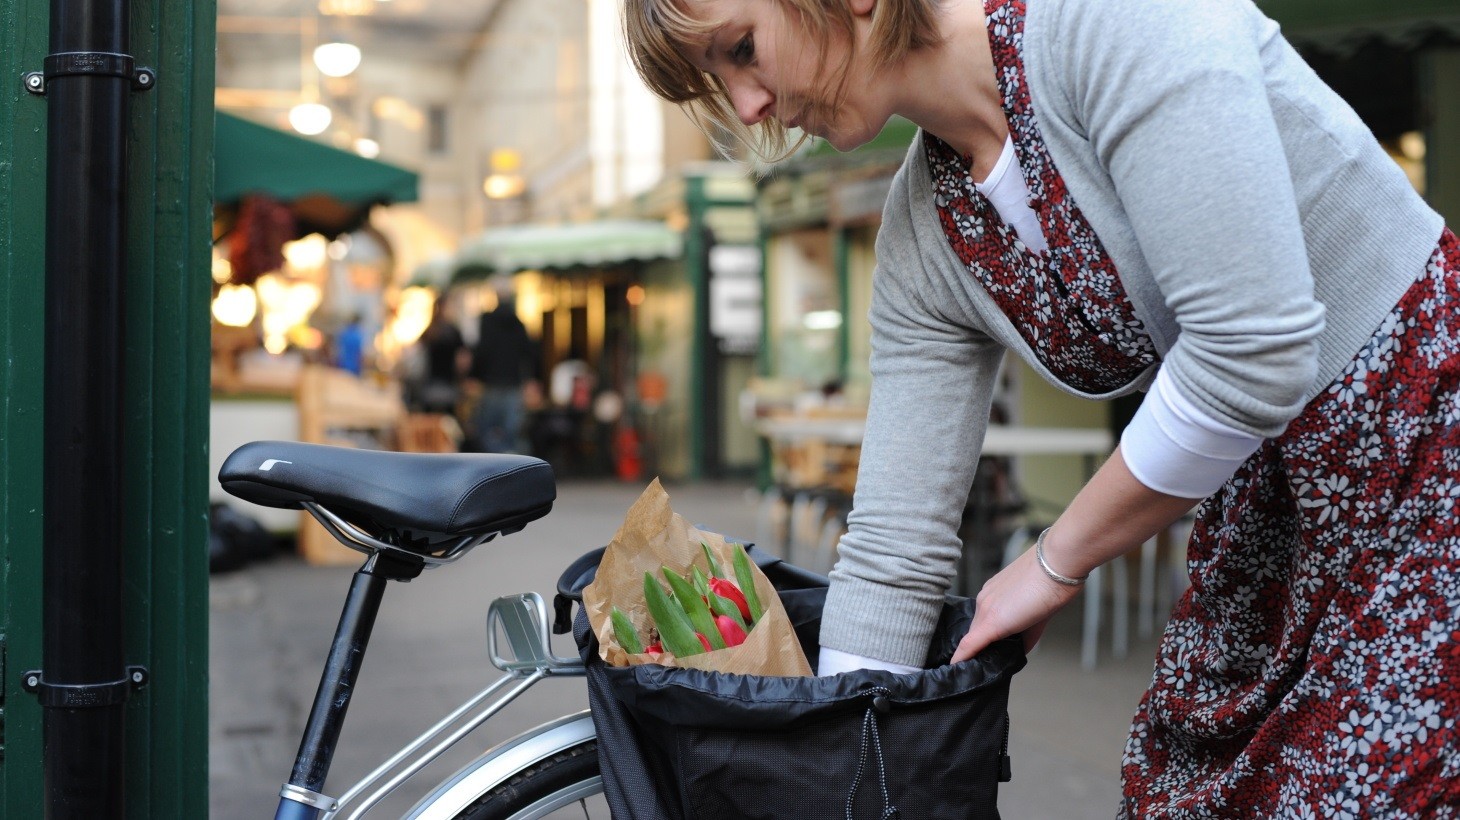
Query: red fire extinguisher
x=628, y=463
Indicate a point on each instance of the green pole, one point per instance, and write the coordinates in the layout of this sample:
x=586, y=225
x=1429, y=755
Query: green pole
x=841, y=255
x=24, y=37
x=165, y=406
x=699, y=277
x=1441, y=93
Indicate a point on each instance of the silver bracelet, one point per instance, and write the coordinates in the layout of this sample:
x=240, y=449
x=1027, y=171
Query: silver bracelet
x=1044, y=565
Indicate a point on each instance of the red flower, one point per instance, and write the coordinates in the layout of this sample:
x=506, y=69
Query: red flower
x=729, y=630
x=726, y=589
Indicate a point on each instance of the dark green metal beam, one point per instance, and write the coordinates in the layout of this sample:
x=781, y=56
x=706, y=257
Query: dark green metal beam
x=24, y=36
x=165, y=404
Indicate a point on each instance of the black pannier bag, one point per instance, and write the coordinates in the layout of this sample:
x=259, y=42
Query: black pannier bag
x=685, y=744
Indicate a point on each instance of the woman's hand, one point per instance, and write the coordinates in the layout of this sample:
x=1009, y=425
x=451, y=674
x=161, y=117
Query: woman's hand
x=1019, y=599
x=1112, y=515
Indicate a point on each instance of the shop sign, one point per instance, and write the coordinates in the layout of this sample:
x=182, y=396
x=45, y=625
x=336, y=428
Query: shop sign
x=735, y=297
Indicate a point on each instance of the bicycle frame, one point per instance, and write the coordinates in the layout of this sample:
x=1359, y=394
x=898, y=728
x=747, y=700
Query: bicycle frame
x=521, y=620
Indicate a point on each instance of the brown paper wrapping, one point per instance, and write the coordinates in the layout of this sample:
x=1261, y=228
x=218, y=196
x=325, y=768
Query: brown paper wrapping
x=654, y=536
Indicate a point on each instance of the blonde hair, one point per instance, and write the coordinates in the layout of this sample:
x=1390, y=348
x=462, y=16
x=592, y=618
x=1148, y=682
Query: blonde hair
x=656, y=30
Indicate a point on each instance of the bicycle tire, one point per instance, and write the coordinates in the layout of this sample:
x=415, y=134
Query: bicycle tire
x=553, y=782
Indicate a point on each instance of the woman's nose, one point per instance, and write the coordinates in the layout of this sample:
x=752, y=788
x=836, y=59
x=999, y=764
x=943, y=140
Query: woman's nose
x=753, y=102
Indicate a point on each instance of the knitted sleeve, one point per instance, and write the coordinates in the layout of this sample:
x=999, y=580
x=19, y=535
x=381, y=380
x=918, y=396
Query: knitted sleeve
x=1174, y=102
x=933, y=371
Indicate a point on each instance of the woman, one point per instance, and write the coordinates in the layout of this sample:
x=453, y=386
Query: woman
x=1144, y=195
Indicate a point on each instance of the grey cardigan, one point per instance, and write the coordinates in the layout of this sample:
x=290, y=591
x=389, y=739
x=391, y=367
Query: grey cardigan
x=1259, y=229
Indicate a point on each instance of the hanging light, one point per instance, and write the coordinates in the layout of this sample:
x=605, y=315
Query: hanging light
x=337, y=59
x=368, y=148
x=310, y=118
x=307, y=253
x=235, y=305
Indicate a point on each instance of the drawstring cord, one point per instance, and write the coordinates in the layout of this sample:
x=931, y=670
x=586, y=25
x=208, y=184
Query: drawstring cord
x=870, y=733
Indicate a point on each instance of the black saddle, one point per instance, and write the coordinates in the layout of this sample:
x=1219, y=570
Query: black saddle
x=414, y=499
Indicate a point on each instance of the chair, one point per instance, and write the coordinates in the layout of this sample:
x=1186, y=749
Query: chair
x=1150, y=601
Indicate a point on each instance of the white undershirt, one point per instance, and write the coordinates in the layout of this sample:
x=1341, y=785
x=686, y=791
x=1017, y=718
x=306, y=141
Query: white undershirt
x=1004, y=188
x=1170, y=445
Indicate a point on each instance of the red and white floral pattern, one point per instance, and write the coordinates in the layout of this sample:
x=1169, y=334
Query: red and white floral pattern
x=1313, y=668
x=1068, y=303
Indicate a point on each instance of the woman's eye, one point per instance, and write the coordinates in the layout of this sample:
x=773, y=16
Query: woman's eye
x=743, y=52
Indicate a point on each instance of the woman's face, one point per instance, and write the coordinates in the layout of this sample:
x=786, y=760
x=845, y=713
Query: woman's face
x=772, y=67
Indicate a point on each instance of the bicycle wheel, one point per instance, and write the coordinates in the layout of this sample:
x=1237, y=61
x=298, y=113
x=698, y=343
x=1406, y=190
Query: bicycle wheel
x=564, y=785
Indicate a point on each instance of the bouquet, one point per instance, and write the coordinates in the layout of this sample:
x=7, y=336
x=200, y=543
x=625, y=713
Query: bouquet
x=671, y=594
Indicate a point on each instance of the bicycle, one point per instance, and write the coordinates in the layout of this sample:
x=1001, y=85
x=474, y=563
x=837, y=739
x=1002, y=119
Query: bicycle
x=409, y=512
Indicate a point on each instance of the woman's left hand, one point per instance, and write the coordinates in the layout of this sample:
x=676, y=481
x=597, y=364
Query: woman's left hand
x=1019, y=599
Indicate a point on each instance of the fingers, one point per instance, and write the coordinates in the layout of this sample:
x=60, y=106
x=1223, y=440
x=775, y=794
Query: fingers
x=978, y=639
x=1019, y=600
x=973, y=643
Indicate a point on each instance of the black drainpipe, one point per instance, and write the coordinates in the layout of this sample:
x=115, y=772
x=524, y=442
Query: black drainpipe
x=88, y=80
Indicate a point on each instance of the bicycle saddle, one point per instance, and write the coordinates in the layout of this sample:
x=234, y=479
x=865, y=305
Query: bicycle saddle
x=411, y=495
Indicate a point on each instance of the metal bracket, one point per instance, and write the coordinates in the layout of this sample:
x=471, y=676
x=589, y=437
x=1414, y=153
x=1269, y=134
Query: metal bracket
x=100, y=63
x=299, y=794
x=84, y=696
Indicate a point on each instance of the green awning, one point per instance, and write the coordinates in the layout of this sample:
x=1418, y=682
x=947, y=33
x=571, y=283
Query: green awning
x=327, y=189
x=605, y=243
x=1347, y=24
x=435, y=272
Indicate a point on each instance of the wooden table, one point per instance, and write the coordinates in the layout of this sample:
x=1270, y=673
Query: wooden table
x=1000, y=440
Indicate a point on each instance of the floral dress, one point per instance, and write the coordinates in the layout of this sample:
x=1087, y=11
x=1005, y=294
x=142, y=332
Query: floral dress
x=1313, y=667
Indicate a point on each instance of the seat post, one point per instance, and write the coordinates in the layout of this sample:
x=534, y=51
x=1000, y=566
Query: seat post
x=337, y=683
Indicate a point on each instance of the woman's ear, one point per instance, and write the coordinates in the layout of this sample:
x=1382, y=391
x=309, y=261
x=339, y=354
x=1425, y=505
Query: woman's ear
x=863, y=8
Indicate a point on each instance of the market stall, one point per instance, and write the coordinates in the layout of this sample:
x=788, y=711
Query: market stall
x=304, y=297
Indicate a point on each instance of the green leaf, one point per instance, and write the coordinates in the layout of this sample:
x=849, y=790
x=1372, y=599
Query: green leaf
x=745, y=579
x=715, y=568
x=675, y=631
x=694, y=607
x=623, y=630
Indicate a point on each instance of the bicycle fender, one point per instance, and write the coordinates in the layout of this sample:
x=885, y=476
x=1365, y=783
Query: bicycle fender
x=499, y=763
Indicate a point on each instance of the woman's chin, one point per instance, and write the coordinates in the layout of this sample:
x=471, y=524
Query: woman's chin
x=846, y=142
x=851, y=140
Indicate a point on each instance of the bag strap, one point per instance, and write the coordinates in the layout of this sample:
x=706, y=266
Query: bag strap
x=872, y=738
x=578, y=575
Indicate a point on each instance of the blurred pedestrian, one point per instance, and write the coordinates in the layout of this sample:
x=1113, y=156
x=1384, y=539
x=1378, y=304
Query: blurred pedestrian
x=444, y=362
x=350, y=346
x=504, y=364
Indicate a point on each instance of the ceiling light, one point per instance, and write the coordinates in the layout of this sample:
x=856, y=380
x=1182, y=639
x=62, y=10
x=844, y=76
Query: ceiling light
x=822, y=320
x=346, y=8
x=310, y=118
x=367, y=148
x=504, y=186
x=337, y=59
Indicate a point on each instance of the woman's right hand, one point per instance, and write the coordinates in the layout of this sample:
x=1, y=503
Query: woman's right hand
x=1020, y=599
